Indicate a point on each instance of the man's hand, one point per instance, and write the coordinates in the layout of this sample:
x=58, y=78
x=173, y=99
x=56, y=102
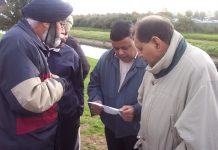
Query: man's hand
x=127, y=113
x=95, y=109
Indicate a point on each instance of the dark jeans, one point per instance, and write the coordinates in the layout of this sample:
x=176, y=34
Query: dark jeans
x=67, y=133
x=124, y=143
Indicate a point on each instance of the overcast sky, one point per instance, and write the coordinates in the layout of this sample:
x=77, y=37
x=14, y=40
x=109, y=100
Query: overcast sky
x=141, y=6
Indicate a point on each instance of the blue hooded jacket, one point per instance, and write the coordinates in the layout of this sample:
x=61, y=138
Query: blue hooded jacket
x=104, y=84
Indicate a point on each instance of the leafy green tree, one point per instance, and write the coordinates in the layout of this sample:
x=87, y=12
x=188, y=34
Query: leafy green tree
x=166, y=13
x=184, y=24
x=10, y=12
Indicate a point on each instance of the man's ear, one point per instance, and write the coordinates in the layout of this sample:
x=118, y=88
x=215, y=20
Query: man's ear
x=45, y=25
x=156, y=41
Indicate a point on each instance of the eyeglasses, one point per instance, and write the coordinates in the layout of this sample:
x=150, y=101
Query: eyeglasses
x=62, y=23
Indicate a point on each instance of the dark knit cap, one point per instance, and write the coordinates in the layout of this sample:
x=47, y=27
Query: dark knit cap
x=47, y=10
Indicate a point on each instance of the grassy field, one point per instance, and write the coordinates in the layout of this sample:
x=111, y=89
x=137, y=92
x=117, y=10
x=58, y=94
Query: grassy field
x=92, y=131
x=96, y=35
x=207, y=42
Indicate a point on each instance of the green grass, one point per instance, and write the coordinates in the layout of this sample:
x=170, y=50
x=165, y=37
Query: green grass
x=92, y=130
x=211, y=47
x=200, y=36
x=94, y=122
x=96, y=35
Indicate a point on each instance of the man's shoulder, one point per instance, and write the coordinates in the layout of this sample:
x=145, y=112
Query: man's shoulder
x=69, y=51
x=72, y=42
x=140, y=62
x=16, y=38
x=72, y=39
x=15, y=33
x=107, y=54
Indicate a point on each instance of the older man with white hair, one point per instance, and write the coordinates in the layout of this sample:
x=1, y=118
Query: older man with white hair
x=65, y=62
x=72, y=42
x=28, y=91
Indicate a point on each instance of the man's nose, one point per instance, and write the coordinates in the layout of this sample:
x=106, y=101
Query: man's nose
x=120, y=51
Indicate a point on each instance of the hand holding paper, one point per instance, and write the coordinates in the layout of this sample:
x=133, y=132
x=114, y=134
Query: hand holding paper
x=107, y=109
x=127, y=113
x=96, y=107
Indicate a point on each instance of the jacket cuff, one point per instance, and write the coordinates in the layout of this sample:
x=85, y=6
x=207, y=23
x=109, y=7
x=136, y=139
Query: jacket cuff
x=63, y=82
x=137, y=112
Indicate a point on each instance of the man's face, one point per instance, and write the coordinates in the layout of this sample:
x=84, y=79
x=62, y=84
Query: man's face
x=61, y=35
x=56, y=33
x=147, y=51
x=125, y=49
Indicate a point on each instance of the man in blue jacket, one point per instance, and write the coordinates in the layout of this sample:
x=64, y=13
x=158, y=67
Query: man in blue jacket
x=28, y=91
x=114, y=82
x=72, y=42
x=65, y=62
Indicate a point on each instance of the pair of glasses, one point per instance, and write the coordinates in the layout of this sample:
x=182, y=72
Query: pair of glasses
x=122, y=47
x=62, y=23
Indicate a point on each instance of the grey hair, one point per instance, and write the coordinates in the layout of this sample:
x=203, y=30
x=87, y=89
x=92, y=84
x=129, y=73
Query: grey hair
x=32, y=22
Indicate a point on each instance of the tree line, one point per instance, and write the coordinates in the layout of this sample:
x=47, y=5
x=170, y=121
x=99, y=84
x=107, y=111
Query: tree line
x=10, y=13
x=182, y=23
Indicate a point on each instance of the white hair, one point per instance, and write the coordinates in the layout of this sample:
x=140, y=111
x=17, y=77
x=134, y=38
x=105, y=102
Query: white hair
x=32, y=22
x=69, y=23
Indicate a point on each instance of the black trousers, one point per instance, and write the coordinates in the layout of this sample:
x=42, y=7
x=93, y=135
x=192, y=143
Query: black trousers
x=67, y=133
x=124, y=143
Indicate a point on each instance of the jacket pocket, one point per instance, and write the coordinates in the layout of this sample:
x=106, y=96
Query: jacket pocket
x=175, y=136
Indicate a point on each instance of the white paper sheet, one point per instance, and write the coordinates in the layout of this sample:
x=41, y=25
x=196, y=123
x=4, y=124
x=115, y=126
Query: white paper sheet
x=107, y=109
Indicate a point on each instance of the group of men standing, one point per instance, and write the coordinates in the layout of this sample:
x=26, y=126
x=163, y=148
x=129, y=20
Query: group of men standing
x=165, y=90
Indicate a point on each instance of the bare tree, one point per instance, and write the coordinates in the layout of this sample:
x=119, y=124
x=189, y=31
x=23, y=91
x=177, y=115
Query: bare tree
x=10, y=12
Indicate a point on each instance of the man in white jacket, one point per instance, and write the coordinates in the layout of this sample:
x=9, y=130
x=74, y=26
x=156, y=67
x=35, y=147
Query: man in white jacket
x=179, y=92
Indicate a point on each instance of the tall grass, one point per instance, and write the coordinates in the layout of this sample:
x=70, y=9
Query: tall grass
x=92, y=131
x=211, y=47
x=200, y=36
x=95, y=35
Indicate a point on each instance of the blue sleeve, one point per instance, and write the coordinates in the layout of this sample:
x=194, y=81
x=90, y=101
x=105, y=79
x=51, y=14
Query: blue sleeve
x=137, y=112
x=15, y=67
x=94, y=86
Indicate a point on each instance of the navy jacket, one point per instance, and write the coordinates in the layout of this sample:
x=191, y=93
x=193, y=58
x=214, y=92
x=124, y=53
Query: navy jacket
x=72, y=42
x=25, y=82
x=66, y=63
x=104, y=84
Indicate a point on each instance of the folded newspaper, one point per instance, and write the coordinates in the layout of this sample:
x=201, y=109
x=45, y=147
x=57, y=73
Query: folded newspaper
x=107, y=109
